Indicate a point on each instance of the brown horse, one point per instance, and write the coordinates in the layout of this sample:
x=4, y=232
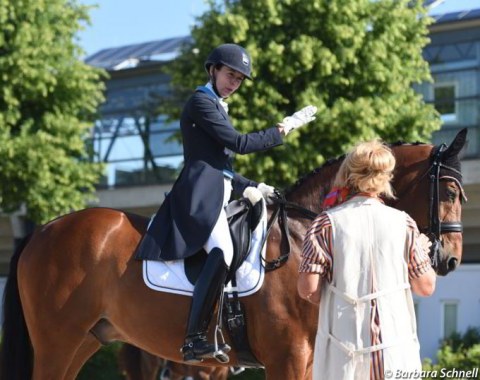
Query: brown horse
x=77, y=285
x=137, y=364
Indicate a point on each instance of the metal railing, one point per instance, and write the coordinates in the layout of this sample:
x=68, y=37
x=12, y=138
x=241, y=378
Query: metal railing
x=128, y=163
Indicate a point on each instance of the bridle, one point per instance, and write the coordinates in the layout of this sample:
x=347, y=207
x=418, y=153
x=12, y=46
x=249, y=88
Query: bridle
x=280, y=213
x=435, y=227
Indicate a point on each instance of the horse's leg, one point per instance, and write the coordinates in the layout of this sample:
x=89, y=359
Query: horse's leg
x=150, y=365
x=289, y=365
x=286, y=350
x=129, y=358
x=52, y=361
x=89, y=346
x=60, y=360
x=54, y=337
x=282, y=336
x=61, y=302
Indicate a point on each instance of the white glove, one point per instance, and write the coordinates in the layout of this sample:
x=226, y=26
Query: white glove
x=253, y=194
x=268, y=192
x=299, y=118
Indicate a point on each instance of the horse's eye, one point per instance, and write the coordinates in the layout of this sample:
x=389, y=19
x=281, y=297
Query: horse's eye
x=451, y=194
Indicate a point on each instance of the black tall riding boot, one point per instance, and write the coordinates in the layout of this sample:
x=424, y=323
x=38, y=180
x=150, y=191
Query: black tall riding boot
x=205, y=296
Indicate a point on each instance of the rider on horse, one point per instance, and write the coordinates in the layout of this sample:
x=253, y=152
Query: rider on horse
x=192, y=216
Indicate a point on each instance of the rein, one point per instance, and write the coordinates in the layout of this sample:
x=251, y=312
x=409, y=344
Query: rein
x=280, y=214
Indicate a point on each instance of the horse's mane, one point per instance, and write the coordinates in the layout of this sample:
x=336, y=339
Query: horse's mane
x=298, y=183
x=333, y=161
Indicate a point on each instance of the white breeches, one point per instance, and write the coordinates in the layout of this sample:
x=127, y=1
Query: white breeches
x=220, y=236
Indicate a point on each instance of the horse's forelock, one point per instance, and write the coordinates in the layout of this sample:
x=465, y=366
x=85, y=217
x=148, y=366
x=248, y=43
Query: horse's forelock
x=452, y=162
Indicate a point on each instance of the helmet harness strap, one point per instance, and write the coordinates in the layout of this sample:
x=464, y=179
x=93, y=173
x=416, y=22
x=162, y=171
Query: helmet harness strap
x=213, y=79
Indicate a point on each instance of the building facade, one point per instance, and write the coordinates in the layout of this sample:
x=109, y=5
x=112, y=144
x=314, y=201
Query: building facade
x=454, y=58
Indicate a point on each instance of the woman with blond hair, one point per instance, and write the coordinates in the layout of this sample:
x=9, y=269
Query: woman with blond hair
x=361, y=260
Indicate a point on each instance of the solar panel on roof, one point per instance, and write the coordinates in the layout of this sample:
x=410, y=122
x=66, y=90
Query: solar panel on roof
x=467, y=14
x=112, y=57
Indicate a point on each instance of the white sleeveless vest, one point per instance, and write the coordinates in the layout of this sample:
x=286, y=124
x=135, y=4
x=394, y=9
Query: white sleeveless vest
x=368, y=249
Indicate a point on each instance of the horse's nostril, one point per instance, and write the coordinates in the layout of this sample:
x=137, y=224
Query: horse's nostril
x=452, y=263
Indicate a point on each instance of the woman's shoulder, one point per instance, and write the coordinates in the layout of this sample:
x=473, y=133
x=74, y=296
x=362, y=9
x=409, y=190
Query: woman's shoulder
x=202, y=96
x=200, y=100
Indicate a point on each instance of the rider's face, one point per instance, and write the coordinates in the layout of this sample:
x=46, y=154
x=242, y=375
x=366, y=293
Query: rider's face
x=227, y=80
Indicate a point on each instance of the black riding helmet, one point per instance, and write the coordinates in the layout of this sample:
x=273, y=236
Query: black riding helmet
x=233, y=56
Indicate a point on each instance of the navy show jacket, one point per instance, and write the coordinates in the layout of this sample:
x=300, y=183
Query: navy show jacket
x=190, y=210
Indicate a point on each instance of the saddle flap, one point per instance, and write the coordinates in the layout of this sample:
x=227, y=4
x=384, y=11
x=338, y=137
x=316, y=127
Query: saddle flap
x=243, y=218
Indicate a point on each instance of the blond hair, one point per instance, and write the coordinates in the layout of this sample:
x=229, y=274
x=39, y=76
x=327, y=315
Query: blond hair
x=368, y=168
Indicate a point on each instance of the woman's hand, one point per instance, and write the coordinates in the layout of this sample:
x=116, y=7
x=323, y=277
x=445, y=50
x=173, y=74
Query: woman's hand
x=297, y=120
x=268, y=192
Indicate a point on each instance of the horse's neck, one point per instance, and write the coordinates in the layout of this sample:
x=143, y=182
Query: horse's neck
x=312, y=190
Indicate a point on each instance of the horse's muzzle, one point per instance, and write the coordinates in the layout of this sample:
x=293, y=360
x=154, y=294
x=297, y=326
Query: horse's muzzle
x=442, y=261
x=452, y=263
x=445, y=264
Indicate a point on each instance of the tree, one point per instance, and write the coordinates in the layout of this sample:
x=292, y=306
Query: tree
x=355, y=60
x=457, y=353
x=48, y=99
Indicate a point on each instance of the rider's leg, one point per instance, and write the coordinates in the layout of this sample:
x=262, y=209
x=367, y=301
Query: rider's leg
x=205, y=296
x=207, y=292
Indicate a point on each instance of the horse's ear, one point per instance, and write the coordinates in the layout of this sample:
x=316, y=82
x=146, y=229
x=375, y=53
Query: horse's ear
x=457, y=144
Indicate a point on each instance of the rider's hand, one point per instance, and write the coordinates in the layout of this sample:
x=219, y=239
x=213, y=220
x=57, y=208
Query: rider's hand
x=253, y=194
x=268, y=192
x=298, y=119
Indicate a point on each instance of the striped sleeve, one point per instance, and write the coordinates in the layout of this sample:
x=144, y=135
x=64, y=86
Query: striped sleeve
x=317, y=247
x=418, y=259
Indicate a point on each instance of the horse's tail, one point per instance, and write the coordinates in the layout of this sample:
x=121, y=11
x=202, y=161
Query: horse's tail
x=16, y=356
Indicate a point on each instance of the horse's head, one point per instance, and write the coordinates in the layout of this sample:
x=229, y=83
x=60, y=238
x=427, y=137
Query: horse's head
x=428, y=183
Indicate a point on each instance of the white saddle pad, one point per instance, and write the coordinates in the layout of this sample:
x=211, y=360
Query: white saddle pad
x=169, y=276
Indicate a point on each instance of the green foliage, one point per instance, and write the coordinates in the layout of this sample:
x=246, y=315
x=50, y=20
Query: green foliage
x=355, y=60
x=460, y=352
x=48, y=100
x=103, y=365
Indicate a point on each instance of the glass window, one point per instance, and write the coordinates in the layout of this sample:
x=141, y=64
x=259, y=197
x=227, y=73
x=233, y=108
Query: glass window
x=137, y=150
x=450, y=310
x=444, y=96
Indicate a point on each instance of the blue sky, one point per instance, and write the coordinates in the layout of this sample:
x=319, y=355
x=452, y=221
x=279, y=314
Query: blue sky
x=123, y=22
